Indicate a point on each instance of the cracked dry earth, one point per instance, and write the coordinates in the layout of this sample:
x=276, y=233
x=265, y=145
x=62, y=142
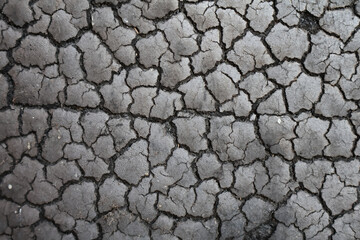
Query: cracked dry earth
x=166, y=119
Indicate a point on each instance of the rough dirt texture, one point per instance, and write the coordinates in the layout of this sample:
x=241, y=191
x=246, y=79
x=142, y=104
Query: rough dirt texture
x=166, y=119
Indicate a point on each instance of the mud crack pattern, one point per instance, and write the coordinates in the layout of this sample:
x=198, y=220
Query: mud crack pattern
x=166, y=119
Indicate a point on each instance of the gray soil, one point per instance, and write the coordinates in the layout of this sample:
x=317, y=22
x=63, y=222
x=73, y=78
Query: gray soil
x=167, y=119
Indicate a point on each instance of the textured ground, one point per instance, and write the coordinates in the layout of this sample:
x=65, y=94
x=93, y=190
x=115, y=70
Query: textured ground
x=166, y=119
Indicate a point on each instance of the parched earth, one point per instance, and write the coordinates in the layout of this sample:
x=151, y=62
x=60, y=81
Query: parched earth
x=166, y=119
